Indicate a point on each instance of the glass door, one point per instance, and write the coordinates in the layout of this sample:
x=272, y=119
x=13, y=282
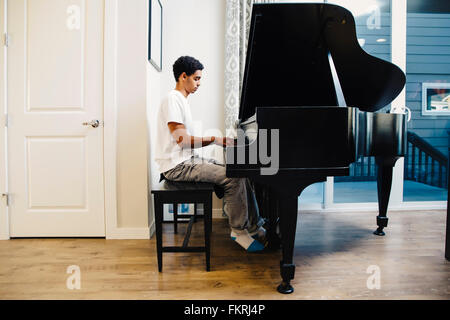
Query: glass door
x=428, y=98
x=373, y=31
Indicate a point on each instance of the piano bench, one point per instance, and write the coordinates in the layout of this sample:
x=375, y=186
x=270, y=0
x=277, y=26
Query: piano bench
x=170, y=192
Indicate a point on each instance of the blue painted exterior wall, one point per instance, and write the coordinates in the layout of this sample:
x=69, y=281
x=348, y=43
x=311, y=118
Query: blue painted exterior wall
x=427, y=60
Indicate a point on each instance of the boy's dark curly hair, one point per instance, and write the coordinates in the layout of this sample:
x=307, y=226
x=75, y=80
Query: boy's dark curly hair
x=186, y=64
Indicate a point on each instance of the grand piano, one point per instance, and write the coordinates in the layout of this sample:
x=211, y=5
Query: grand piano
x=308, y=110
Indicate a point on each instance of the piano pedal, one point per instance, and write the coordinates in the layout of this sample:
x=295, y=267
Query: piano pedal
x=272, y=242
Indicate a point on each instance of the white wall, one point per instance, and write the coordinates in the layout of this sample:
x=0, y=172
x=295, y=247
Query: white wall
x=195, y=28
x=132, y=137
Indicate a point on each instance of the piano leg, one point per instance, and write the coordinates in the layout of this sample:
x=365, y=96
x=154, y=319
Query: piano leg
x=286, y=193
x=384, y=183
x=288, y=224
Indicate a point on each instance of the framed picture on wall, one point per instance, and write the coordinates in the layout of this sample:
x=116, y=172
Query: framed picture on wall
x=436, y=98
x=155, y=16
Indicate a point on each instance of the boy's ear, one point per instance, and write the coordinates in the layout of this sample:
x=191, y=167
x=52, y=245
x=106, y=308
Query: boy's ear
x=183, y=75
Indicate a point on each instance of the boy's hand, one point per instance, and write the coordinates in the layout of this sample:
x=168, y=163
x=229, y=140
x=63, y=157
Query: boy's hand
x=225, y=141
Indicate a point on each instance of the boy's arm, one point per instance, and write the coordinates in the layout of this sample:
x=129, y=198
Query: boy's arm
x=184, y=140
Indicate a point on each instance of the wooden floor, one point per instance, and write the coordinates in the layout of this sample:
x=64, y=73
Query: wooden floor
x=332, y=254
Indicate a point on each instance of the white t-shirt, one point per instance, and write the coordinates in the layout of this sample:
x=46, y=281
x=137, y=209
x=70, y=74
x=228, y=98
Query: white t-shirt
x=174, y=108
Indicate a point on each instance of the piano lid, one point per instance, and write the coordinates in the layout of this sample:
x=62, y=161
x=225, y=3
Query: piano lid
x=287, y=61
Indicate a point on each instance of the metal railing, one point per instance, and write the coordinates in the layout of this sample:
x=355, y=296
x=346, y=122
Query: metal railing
x=423, y=163
x=364, y=169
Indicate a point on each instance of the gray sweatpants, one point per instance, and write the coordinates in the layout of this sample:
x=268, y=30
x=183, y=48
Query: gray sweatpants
x=239, y=200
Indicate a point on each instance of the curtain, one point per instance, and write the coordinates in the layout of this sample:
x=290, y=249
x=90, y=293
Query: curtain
x=237, y=27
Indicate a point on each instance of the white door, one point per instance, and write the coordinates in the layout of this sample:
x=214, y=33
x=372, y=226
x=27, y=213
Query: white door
x=55, y=84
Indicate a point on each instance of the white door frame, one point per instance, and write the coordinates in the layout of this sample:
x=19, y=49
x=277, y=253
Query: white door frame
x=4, y=221
x=398, y=57
x=109, y=116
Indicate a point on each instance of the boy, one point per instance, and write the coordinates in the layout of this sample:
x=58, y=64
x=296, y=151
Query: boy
x=174, y=144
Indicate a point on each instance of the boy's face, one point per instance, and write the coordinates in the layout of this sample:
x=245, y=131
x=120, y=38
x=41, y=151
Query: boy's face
x=192, y=82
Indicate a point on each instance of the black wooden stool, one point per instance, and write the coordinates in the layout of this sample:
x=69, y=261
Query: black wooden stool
x=169, y=192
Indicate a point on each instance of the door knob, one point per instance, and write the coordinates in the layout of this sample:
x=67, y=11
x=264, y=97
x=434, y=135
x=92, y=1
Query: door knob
x=93, y=123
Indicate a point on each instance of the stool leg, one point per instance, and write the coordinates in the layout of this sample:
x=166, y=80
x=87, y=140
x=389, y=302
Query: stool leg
x=159, y=218
x=207, y=217
x=195, y=212
x=175, y=217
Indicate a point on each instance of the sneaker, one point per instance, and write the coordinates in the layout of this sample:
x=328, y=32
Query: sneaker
x=259, y=233
x=243, y=238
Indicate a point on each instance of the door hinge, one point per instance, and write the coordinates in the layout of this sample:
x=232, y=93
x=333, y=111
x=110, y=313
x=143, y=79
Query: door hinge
x=6, y=39
x=6, y=196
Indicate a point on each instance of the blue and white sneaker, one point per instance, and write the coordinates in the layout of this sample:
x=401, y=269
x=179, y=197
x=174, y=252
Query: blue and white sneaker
x=243, y=238
x=259, y=233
